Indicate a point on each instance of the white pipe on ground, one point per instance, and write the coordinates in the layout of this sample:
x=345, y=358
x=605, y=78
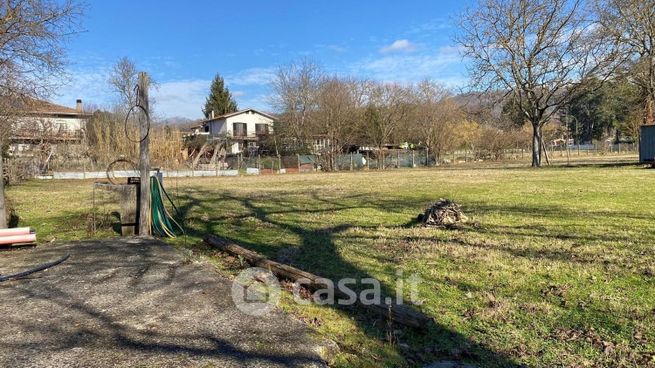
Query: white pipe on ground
x=15, y=231
x=16, y=239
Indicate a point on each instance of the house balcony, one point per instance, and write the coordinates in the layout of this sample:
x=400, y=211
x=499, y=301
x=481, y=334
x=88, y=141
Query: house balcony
x=248, y=136
x=37, y=136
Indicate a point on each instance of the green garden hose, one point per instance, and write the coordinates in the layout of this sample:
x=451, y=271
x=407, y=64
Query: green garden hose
x=162, y=223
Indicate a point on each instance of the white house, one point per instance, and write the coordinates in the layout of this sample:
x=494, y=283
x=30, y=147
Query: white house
x=37, y=121
x=244, y=129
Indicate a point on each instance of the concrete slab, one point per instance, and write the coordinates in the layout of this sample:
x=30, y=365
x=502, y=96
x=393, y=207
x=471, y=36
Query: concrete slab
x=133, y=302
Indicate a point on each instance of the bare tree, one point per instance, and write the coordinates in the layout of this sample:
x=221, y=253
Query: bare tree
x=434, y=118
x=539, y=52
x=388, y=106
x=123, y=80
x=295, y=91
x=32, y=57
x=339, y=103
x=632, y=24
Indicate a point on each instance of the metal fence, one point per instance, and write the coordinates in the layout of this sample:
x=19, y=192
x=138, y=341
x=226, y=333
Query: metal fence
x=392, y=159
x=18, y=169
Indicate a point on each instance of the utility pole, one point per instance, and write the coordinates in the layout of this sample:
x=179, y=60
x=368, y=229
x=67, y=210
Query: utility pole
x=144, y=153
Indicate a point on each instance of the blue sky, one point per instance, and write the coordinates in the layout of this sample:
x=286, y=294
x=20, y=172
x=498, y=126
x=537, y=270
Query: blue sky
x=184, y=46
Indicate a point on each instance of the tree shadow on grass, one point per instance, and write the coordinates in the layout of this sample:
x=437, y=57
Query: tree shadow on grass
x=318, y=253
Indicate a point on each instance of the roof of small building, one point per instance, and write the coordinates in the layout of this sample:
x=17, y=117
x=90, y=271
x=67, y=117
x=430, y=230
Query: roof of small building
x=41, y=107
x=230, y=114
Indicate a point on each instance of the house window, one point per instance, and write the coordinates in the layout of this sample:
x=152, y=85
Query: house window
x=261, y=129
x=239, y=129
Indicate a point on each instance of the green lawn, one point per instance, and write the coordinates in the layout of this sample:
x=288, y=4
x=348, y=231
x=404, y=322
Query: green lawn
x=557, y=270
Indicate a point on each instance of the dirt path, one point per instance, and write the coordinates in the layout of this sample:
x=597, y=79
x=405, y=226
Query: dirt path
x=134, y=302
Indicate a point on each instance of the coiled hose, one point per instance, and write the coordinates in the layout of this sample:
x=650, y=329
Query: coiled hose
x=162, y=223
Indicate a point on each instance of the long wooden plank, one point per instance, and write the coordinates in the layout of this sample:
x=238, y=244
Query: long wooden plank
x=399, y=313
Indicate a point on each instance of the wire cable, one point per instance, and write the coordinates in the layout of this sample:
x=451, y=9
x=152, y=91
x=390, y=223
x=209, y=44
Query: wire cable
x=42, y=267
x=127, y=117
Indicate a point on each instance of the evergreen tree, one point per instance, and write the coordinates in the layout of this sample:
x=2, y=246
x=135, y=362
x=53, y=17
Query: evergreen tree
x=601, y=110
x=220, y=99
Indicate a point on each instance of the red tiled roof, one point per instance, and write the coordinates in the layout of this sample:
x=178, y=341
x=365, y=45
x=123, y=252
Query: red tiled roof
x=45, y=107
x=34, y=106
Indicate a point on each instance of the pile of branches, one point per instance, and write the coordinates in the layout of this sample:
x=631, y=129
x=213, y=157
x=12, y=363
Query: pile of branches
x=443, y=214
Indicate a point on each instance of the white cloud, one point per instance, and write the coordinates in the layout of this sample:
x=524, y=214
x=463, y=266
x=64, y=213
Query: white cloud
x=186, y=98
x=337, y=48
x=398, y=46
x=258, y=101
x=89, y=85
x=183, y=98
x=445, y=65
x=431, y=27
x=252, y=76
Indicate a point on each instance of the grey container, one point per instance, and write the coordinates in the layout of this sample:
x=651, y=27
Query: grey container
x=647, y=144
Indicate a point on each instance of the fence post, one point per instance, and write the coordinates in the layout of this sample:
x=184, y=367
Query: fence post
x=351, y=162
x=259, y=162
x=368, y=161
x=427, y=156
x=413, y=163
x=279, y=163
x=298, y=157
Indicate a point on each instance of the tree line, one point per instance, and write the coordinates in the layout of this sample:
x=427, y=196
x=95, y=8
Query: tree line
x=346, y=112
x=589, y=65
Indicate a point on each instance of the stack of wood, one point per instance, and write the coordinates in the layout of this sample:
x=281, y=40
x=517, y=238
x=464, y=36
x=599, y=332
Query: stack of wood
x=444, y=214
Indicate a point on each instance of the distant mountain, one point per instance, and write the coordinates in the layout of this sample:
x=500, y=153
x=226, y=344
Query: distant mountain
x=176, y=120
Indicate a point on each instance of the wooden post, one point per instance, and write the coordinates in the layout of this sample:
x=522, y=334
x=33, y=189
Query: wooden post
x=3, y=209
x=368, y=161
x=351, y=161
x=298, y=157
x=144, y=155
x=413, y=163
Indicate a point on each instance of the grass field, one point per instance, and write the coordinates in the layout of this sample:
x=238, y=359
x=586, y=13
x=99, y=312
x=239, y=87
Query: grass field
x=558, y=268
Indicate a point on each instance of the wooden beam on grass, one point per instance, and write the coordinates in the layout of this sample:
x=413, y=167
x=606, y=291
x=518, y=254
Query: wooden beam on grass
x=398, y=313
